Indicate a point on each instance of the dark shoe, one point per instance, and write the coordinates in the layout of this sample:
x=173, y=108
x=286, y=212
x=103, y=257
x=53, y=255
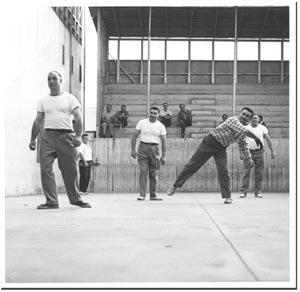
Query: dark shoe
x=81, y=204
x=171, y=191
x=47, y=206
x=156, y=199
x=141, y=198
x=243, y=195
x=228, y=201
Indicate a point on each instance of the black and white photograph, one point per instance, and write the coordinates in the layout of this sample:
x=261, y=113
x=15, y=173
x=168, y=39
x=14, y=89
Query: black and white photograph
x=149, y=145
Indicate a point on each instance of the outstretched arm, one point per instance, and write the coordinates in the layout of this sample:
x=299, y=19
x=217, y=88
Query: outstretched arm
x=257, y=140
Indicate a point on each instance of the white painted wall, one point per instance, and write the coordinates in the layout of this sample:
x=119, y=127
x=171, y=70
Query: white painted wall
x=91, y=74
x=33, y=44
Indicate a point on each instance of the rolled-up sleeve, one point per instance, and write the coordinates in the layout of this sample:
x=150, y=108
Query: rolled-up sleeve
x=243, y=147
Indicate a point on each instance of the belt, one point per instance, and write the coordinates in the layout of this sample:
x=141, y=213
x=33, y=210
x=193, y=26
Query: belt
x=59, y=130
x=149, y=143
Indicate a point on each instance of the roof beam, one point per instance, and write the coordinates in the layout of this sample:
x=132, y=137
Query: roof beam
x=116, y=21
x=265, y=23
x=283, y=28
x=191, y=22
x=166, y=19
x=216, y=22
x=241, y=21
x=141, y=21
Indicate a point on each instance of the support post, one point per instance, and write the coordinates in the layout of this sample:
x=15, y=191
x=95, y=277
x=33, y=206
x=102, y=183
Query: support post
x=149, y=71
x=165, y=63
x=282, y=63
x=213, y=63
x=259, y=63
x=189, y=61
x=84, y=66
x=234, y=63
x=142, y=62
x=118, y=62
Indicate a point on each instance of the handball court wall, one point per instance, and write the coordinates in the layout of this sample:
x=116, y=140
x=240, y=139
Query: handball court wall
x=118, y=172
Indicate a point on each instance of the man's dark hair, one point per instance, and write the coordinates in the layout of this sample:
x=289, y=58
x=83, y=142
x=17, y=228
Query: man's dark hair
x=248, y=109
x=154, y=108
x=83, y=135
x=261, y=117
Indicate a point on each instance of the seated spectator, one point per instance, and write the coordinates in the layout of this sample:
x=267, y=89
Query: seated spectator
x=224, y=118
x=260, y=120
x=122, y=116
x=184, y=118
x=165, y=115
x=108, y=120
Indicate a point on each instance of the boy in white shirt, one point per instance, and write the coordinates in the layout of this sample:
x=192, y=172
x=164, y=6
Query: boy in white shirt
x=85, y=162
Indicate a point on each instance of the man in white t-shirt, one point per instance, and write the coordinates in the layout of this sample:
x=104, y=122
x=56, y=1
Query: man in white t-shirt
x=85, y=163
x=152, y=132
x=56, y=111
x=257, y=156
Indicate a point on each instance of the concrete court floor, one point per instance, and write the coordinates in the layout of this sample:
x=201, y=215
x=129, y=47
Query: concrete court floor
x=189, y=237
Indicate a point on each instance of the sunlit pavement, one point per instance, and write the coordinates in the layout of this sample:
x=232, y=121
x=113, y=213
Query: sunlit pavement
x=188, y=238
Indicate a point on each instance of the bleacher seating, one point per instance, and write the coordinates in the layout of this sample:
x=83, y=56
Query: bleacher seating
x=207, y=102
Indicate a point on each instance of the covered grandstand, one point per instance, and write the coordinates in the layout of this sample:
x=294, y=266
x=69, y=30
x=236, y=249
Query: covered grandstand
x=208, y=87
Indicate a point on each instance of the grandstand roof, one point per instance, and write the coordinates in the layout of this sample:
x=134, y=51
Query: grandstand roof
x=270, y=22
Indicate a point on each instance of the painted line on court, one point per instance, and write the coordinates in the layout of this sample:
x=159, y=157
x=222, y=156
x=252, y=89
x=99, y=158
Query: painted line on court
x=228, y=240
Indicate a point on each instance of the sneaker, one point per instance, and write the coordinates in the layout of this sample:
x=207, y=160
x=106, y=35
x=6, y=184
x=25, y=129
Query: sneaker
x=141, y=198
x=258, y=195
x=228, y=201
x=47, y=206
x=156, y=199
x=81, y=204
x=243, y=195
x=171, y=191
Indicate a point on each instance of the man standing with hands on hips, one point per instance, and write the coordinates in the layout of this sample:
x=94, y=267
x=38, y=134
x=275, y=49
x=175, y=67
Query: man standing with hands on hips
x=57, y=111
x=151, y=132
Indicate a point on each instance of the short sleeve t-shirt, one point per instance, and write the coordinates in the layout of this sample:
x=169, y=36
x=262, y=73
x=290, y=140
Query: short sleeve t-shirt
x=151, y=132
x=86, y=151
x=58, y=110
x=259, y=131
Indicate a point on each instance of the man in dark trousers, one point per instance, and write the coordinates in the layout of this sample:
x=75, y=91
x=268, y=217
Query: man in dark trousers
x=257, y=155
x=151, y=132
x=184, y=118
x=122, y=116
x=85, y=163
x=215, y=144
x=56, y=111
